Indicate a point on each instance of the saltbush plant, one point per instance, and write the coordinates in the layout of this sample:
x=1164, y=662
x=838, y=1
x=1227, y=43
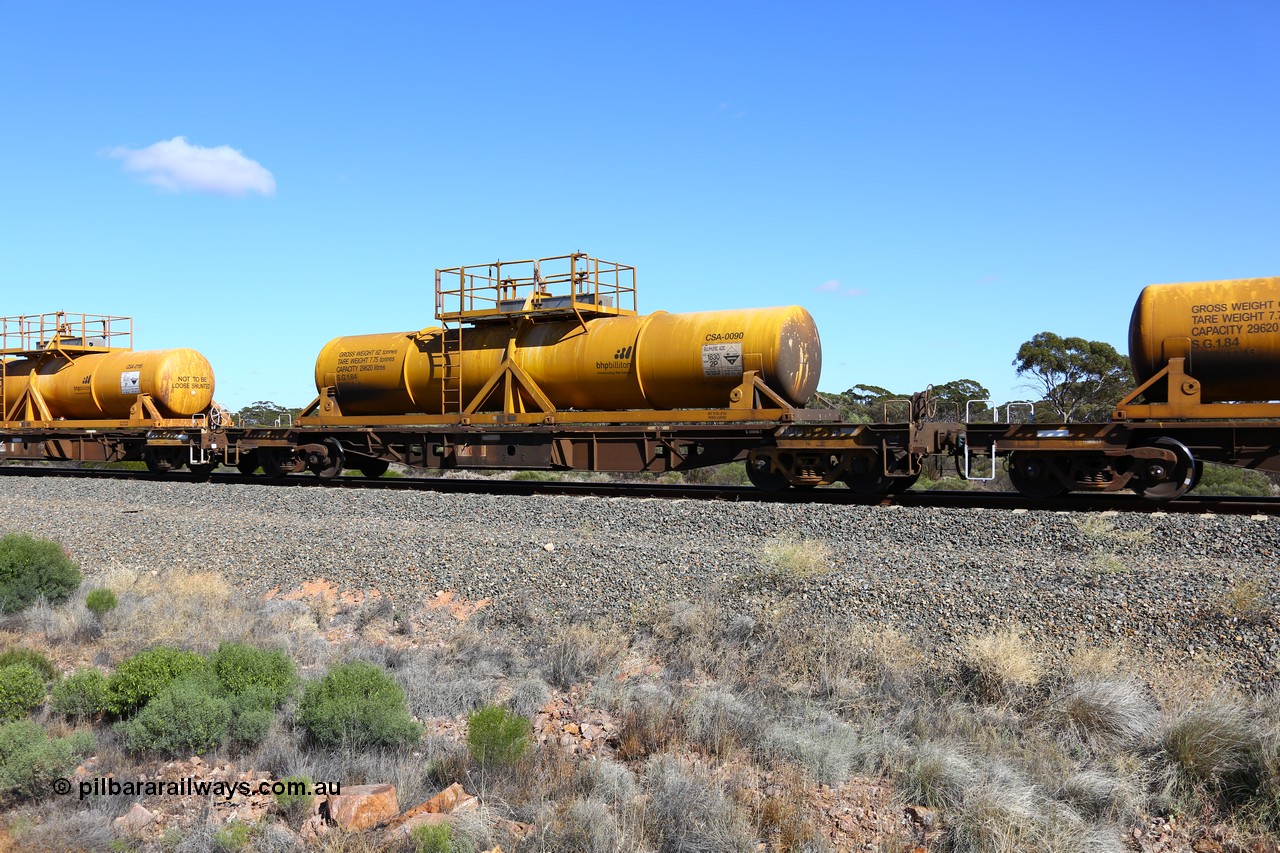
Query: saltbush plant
x=1227, y=480
x=357, y=705
x=101, y=601
x=429, y=838
x=187, y=716
x=81, y=694
x=266, y=674
x=233, y=836
x=39, y=662
x=30, y=760
x=34, y=568
x=21, y=690
x=250, y=725
x=296, y=798
x=140, y=677
x=497, y=737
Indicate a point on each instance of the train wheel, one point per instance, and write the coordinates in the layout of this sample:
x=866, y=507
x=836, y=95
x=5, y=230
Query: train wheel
x=1031, y=475
x=1160, y=481
x=329, y=466
x=248, y=463
x=763, y=478
x=866, y=476
x=373, y=468
x=160, y=461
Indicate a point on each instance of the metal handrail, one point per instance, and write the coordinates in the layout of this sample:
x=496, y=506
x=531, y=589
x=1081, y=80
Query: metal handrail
x=503, y=288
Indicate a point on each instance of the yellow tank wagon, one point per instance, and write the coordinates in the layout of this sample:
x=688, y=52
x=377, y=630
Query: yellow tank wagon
x=72, y=387
x=1226, y=332
x=559, y=344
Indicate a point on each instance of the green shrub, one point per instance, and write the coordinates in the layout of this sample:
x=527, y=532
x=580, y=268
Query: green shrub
x=187, y=716
x=496, y=736
x=34, y=568
x=146, y=674
x=432, y=839
x=81, y=694
x=295, y=805
x=244, y=669
x=39, y=662
x=30, y=760
x=21, y=690
x=251, y=727
x=537, y=476
x=232, y=836
x=357, y=704
x=101, y=601
x=1228, y=480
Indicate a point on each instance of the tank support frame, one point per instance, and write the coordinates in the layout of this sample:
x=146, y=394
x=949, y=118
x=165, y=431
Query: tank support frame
x=1181, y=392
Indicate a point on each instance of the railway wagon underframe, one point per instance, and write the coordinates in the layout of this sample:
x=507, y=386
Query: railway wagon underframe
x=814, y=449
x=163, y=445
x=1160, y=460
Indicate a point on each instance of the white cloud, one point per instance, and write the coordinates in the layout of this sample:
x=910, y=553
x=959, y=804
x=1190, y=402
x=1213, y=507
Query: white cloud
x=176, y=165
x=834, y=286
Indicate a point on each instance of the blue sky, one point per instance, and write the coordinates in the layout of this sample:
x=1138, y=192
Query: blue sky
x=935, y=181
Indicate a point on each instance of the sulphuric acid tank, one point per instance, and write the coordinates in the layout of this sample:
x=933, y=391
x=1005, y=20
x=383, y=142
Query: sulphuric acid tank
x=655, y=361
x=1229, y=332
x=108, y=384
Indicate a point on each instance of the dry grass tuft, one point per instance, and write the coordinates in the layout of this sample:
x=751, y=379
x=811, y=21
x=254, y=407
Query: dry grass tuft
x=581, y=652
x=1101, y=532
x=1103, y=796
x=828, y=749
x=194, y=610
x=786, y=558
x=782, y=816
x=1105, y=713
x=1089, y=661
x=1246, y=601
x=720, y=722
x=689, y=810
x=650, y=723
x=999, y=666
x=1212, y=754
x=938, y=777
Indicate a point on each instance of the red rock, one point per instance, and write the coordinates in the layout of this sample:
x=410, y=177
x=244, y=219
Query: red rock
x=517, y=830
x=406, y=827
x=452, y=799
x=926, y=817
x=137, y=819
x=313, y=828
x=362, y=807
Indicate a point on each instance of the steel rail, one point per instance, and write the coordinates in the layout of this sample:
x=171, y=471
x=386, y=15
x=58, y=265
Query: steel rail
x=1078, y=502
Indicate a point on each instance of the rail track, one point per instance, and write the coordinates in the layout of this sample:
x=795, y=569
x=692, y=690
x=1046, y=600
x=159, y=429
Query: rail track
x=1011, y=501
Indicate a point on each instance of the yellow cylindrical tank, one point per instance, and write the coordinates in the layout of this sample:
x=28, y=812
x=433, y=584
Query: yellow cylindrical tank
x=1229, y=331
x=656, y=361
x=108, y=384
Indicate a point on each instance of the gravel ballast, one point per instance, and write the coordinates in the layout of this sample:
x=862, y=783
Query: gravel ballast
x=1170, y=587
